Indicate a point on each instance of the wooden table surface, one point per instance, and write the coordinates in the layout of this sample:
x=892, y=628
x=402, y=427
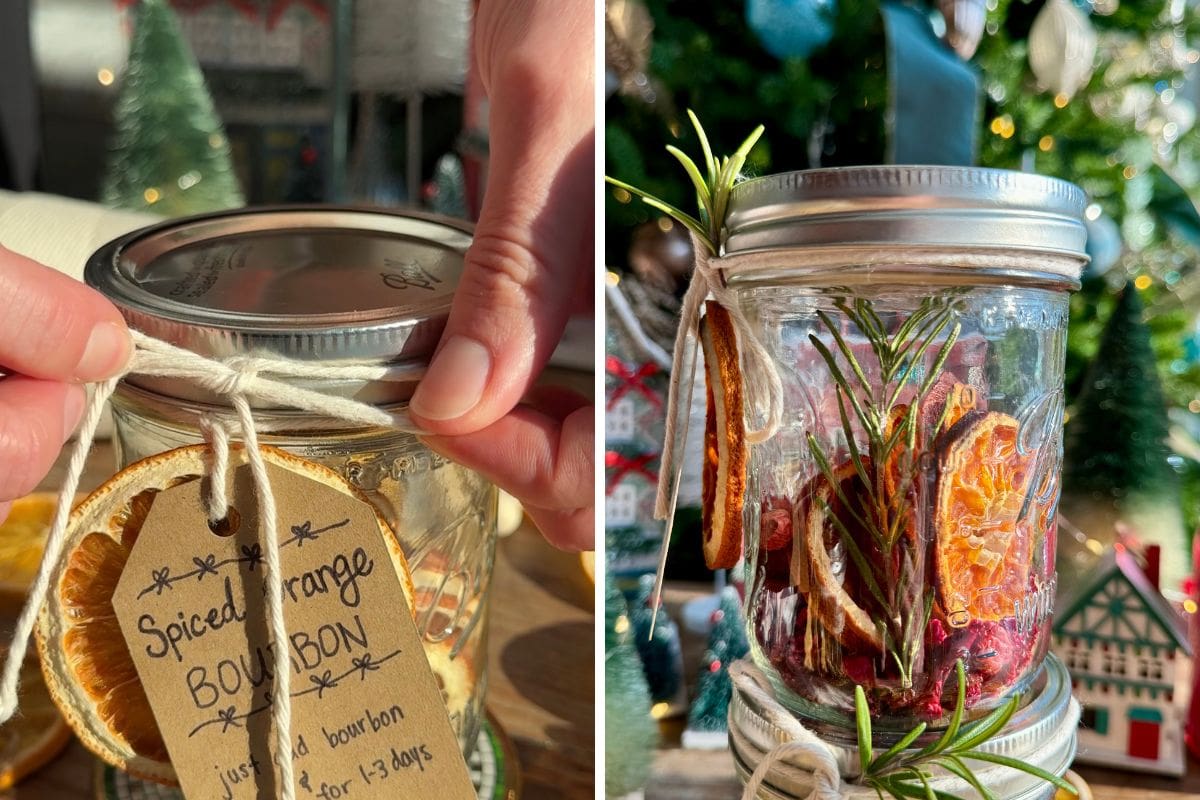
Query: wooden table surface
x=680, y=774
x=541, y=681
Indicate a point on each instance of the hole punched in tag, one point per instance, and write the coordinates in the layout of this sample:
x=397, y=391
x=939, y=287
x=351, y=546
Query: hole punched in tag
x=228, y=525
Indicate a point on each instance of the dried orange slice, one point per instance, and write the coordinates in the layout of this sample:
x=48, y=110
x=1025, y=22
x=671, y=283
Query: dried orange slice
x=982, y=554
x=86, y=663
x=22, y=539
x=948, y=401
x=37, y=733
x=724, y=475
x=828, y=585
x=455, y=677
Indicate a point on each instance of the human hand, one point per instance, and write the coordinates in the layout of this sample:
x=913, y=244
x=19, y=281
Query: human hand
x=531, y=262
x=55, y=334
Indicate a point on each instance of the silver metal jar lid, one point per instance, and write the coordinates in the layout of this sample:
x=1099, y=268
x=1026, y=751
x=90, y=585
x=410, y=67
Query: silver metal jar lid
x=1023, y=221
x=324, y=284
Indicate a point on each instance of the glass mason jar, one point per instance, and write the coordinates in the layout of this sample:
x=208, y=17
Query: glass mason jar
x=903, y=517
x=334, y=286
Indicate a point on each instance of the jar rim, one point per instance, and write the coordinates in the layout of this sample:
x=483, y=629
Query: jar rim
x=985, y=212
x=272, y=281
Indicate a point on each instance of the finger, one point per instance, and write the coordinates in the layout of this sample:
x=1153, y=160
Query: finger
x=573, y=531
x=534, y=236
x=36, y=417
x=5, y=507
x=55, y=327
x=546, y=462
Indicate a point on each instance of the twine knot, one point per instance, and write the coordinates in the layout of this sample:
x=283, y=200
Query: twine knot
x=762, y=385
x=237, y=377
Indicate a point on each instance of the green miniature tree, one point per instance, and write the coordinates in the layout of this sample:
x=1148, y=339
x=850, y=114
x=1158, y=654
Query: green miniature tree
x=662, y=657
x=707, y=721
x=170, y=154
x=630, y=732
x=1115, y=459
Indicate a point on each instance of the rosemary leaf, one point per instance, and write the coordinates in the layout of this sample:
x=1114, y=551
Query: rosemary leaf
x=689, y=166
x=885, y=758
x=1028, y=769
x=682, y=217
x=856, y=555
x=835, y=372
x=918, y=355
x=986, y=728
x=827, y=471
x=940, y=361
x=849, y=355
x=960, y=698
x=855, y=456
x=862, y=718
x=954, y=766
x=710, y=163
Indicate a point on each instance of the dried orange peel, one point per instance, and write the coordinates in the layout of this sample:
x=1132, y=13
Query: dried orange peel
x=724, y=474
x=87, y=666
x=37, y=734
x=812, y=564
x=982, y=554
x=22, y=539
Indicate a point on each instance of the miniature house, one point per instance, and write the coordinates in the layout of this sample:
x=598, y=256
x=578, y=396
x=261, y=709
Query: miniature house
x=1129, y=657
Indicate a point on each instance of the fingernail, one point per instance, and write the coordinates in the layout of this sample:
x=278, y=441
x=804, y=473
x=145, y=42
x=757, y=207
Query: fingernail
x=73, y=409
x=455, y=381
x=107, y=350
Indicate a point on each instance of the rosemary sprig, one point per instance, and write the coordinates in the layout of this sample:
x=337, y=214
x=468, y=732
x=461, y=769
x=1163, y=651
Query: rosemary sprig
x=906, y=775
x=713, y=187
x=884, y=510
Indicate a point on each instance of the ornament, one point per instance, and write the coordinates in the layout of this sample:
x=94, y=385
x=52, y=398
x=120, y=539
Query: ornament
x=1103, y=244
x=965, y=21
x=1062, y=48
x=791, y=28
x=661, y=254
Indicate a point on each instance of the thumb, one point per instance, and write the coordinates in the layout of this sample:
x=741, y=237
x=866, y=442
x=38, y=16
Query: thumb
x=532, y=244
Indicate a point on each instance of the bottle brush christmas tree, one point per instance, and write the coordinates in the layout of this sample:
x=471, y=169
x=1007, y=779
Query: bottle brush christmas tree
x=662, y=657
x=1115, y=457
x=630, y=732
x=169, y=155
x=707, y=721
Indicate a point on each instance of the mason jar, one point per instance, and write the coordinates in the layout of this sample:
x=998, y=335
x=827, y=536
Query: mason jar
x=334, y=287
x=902, y=519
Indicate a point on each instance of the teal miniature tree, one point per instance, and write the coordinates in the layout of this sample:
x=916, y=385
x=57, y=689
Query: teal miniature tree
x=1115, y=465
x=630, y=732
x=169, y=154
x=707, y=721
x=662, y=657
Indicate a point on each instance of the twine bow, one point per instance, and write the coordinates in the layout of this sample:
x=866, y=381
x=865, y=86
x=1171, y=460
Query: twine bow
x=238, y=379
x=762, y=386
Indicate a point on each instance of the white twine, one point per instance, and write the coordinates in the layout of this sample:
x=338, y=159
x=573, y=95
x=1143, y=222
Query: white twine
x=804, y=749
x=760, y=379
x=238, y=378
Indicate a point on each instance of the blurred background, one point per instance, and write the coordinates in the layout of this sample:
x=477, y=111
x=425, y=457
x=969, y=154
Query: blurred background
x=314, y=106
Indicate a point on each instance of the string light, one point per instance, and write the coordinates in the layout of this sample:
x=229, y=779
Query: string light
x=611, y=278
x=621, y=195
x=1092, y=212
x=105, y=76
x=1003, y=126
x=621, y=625
x=665, y=224
x=152, y=195
x=1061, y=100
x=1046, y=144
x=1129, y=172
x=1194, y=406
x=1142, y=282
x=1189, y=606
